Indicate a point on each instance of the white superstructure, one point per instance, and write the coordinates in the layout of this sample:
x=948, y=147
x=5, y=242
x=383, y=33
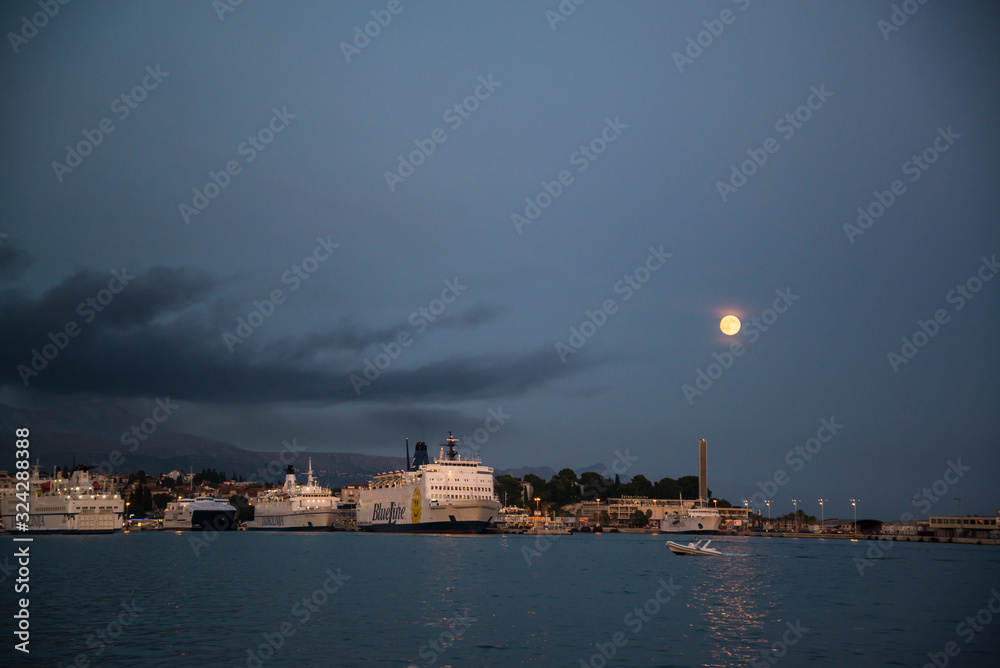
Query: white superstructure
x=694, y=520
x=296, y=507
x=449, y=495
x=61, y=505
x=199, y=513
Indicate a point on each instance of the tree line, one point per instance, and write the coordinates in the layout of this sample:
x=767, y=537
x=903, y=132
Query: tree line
x=565, y=488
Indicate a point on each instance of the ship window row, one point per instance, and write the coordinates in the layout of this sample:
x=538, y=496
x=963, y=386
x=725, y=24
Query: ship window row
x=461, y=488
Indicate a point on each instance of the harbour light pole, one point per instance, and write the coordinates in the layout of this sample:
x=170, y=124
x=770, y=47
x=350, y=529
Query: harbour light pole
x=822, y=516
x=796, y=516
x=768, y=502
x=854, y=502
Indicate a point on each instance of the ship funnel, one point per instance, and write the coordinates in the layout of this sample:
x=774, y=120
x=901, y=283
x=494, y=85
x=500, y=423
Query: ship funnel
x=420, y=455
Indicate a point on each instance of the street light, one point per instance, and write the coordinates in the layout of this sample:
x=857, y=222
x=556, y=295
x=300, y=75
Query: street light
x=795, y=518
x=768, y=502
x=854, y=502
x=537, y=499
x=822, y=516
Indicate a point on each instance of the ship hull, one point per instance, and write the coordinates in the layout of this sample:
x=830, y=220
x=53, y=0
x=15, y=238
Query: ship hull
x=458, y=516
x=696, y=526
x=320, y=520
x=469, y=527
x=693, y=532
x=195, y=516
x=52, y=515
x=204, y=520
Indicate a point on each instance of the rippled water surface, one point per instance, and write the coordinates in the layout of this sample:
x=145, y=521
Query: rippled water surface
x=398, y=600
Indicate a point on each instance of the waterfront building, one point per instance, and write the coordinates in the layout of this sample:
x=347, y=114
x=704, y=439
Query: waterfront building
x=968, y=526
x=620, y=510
x=351, y=493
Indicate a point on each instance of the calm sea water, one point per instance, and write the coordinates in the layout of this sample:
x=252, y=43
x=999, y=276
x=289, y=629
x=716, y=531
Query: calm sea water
x=348, y=599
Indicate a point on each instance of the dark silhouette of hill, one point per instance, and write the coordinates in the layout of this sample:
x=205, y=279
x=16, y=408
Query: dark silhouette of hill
x=91, y=434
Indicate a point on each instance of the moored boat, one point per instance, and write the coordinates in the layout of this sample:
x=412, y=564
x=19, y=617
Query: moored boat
x=199, y=513
x=295, y=507
x=449, y=495
x=696, y=548
x=692, y=521
x=76, y=504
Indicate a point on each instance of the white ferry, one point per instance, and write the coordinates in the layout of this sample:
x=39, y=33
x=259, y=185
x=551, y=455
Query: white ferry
x=60, y=505
x=512, y=518
x=295, y=507
x=693, y=521
x=199, y=513
x=450, y=495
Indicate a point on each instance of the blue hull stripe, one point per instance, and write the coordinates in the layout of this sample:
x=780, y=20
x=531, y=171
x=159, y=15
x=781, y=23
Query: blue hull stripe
x=428, y=527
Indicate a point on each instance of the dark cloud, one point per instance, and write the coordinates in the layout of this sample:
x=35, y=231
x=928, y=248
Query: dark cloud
x=160, y=332
x=13, y=260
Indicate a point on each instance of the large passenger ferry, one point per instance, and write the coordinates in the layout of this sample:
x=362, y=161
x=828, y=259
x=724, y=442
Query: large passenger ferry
x=295, y=507
x=448, y=495
x=61, y=505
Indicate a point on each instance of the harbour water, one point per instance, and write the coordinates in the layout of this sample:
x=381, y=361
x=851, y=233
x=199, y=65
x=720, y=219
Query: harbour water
x=354, y=599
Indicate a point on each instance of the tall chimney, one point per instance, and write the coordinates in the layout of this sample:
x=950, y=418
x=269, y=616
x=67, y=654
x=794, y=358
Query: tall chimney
x=703, y=470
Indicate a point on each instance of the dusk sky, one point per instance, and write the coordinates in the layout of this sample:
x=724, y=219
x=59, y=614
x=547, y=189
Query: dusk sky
x=441, y=202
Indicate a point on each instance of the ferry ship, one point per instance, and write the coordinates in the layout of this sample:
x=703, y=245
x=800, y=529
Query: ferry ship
x=694, y=521
x=448, y=495
x=199, y=513
x=296, y=507
x=512, y=518
x=61, y=505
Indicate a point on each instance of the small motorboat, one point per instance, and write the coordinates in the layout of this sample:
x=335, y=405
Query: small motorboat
x=698, y=547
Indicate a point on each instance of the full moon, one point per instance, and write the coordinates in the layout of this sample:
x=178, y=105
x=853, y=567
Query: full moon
x=730, y=325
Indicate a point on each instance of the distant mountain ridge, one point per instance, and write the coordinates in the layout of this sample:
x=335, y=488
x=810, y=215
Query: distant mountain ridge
x=90, y=434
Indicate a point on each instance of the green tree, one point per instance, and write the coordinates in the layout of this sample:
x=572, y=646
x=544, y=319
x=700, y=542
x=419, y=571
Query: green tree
x=147, y=500
x=569, y=475
x=538, y=486
x=161, y=500
x=508, y=490
x=595, y=486
x=639, y=486
x=638, y=519
x=564, y=488
x=666, y=488
x=689, y=486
